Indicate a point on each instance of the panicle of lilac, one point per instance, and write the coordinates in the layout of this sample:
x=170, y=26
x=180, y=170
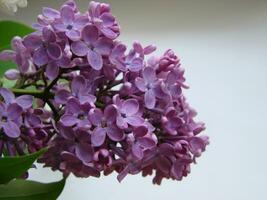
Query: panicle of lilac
x=23, y=129
x=112, y=109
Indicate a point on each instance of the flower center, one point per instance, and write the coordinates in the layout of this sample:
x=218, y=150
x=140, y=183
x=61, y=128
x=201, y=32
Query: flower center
x=149, y=86
x=4, y=119
x=69, y=27
x=103, y=124
x=81, y=116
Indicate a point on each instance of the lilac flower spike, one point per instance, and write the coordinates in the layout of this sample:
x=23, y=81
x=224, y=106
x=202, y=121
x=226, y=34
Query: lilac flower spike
x=13, y=113
x=98, y=106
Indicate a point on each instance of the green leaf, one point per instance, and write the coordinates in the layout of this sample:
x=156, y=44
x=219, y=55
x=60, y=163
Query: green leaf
x=14, y=167
x=11, y=29
x=31, y=190
x=5, y=65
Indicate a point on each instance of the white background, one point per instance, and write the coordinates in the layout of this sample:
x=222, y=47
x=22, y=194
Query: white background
x=223, y=47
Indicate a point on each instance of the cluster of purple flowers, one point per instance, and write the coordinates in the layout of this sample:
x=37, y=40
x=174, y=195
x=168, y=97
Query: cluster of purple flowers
x=24, y=129
x=99, y=108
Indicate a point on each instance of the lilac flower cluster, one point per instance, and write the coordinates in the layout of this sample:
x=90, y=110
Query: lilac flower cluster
x=109, y=109
x=24, y=129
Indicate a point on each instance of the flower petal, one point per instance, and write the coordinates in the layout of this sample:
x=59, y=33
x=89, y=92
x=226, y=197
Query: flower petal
x=25, y=101
x=62, y=96
x=74, y=35
x=130, y=107
x=134, y=120
x=118, y=51
x=11, y=129
x=40, y=57
x=54, y=51
x=50, y=13
x=177, y=170
x=49, y=35
x=103, y=46
x=166, y=149
x=150, y=99
x=163, y=164
x=52, y=70
x=2, y=109
x=78, y=84
x=110, y=113
x=175, y=90
x=87, y=98
x=33, y=120
x=197, y=145
x=161, y=91
x=121, y=122
x=90, y=34
x=96, y=116
x=14, y=111
x=98, y=136
x=7, y=95
x=59, y=25
x=82, y=135
x=95, y=59
x=68, y=120
x=114, y=133
x=107, y=18
x=12, y=74
x=140, y=84
x=149, y=75
x=109, y=33
x=138, y=47
x=66, y=132
x=80, y=22
x=32, y=41
x=140, y=131
x=7, y=55
x=136, y=65
x=67, y=14
x=84, y=152
x=79, y=48
x=137, y=151
x=73, y=106
x=146, y=142
x=149, y=49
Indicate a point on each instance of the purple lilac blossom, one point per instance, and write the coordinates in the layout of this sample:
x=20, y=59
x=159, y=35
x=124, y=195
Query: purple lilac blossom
x=111, y=109
x=21, y=128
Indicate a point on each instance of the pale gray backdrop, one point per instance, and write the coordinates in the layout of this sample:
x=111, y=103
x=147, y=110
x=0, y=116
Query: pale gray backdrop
x=223, y=47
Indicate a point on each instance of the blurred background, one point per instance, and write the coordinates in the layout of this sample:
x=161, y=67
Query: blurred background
x=223, y=48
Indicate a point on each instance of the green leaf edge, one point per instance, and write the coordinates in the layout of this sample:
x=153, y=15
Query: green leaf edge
x=50, y=191
x=7, y=162
x=7, y=23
